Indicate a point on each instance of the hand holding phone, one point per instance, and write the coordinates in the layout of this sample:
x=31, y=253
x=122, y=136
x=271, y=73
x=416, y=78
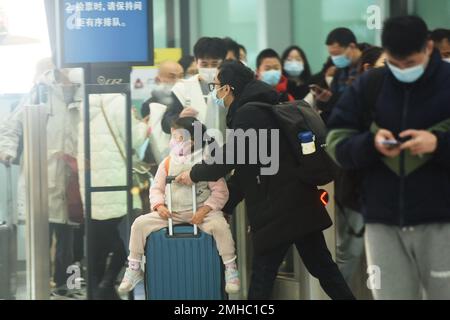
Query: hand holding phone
x=391, y=143
x=316, y=89
x=386, y=143
x=320, y=94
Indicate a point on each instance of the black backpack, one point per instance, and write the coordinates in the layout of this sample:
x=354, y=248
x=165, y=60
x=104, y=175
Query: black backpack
x=315, y=169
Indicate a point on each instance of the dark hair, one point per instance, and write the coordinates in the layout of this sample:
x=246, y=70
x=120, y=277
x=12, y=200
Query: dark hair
x=403, y=36
x=243, y=48
x=210, y=48
x=236, y=75
x=363, y=46
x=232, y=45
x=145, y=108
x=187, y=123
x=438, y=35
x=342, y=36
x=327, y=64
x=306, y=74
x=369, y=56
x=266, y=53
x=186, y=62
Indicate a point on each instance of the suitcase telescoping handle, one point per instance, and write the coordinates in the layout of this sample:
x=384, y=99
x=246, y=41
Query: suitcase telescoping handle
x=169, y=180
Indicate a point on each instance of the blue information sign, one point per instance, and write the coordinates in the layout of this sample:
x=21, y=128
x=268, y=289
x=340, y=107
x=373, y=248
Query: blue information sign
x=106, y=31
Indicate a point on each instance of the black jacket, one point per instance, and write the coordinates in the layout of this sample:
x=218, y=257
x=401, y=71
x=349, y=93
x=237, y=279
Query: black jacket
x=342, y=79
x=280, y=208
x=298, y=91
x=172, y=113
x=407, y=190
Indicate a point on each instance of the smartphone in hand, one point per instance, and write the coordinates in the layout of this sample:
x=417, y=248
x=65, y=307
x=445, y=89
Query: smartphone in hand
x=390, y=143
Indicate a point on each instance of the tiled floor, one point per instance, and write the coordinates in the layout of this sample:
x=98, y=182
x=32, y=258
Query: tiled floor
x=21, y=292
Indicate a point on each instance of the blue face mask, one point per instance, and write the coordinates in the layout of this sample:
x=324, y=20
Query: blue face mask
x=407, y=75
x=294, y=68
x=271, y=77
x=218, y=101
x=341, y=61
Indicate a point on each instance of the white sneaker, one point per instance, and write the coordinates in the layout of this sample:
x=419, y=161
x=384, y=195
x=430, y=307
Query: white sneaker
x=130, y=280
x=232, y=282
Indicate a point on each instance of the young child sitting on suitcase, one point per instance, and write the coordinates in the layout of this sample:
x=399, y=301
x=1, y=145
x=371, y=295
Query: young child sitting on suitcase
x=211, y=198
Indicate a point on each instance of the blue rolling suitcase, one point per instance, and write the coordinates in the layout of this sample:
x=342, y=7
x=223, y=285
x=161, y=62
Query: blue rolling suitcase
x=182, y=263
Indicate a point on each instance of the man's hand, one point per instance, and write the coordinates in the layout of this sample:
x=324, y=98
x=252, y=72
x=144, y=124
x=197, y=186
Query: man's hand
x=422, y=142
x=387, y=151
x=163, y=212
x=148, y=132
x=324, y=95
x=200, y=215
x=184, y=178
x=6, y=159
x=134, y=112
x=146, y=119
x=188, y=112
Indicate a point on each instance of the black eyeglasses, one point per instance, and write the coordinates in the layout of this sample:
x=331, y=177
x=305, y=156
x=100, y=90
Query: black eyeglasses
x=212, y=86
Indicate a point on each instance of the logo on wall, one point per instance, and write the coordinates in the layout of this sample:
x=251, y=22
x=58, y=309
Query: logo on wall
x=105, y=81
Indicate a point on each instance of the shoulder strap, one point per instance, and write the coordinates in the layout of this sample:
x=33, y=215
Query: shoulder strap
x=371, y=91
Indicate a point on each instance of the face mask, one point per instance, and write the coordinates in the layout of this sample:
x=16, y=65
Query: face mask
x=164, y=87
x=207, y=74
x=294, y=68
x=407, y=75
x=447, y=60
x=218, y=101
x=271, y=77
x=180, y=148
x=76, y=75
x=163, y=93
x=341, y=61
x=329, y=80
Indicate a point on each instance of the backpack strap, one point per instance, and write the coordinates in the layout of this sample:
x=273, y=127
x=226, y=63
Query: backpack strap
x=371, y=91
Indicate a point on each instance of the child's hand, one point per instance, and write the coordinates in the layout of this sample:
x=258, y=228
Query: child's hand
x=200, y=215
x=184, y=178
x=163, y=212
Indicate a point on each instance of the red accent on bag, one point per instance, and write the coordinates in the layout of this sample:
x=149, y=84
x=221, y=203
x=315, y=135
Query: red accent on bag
x=73, y=195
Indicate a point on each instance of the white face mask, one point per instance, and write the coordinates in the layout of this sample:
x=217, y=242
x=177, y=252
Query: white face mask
x=164, y=87
x=407, y=75
x=163, y=93
x=447, y=60
x=75, y=75
x=207, y=74
x=329, y=80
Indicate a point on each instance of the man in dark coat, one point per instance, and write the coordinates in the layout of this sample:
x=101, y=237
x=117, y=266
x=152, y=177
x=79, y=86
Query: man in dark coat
x=403, y=156
x=281, y=209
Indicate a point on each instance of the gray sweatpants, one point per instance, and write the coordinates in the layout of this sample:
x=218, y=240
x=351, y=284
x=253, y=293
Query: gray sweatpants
x=349, y=241
x=408, y=263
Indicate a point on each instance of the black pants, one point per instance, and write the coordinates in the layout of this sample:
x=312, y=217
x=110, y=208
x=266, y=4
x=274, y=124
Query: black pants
x=106, y=240
x=317, y=259
x=78, y=243
x=64, y=251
